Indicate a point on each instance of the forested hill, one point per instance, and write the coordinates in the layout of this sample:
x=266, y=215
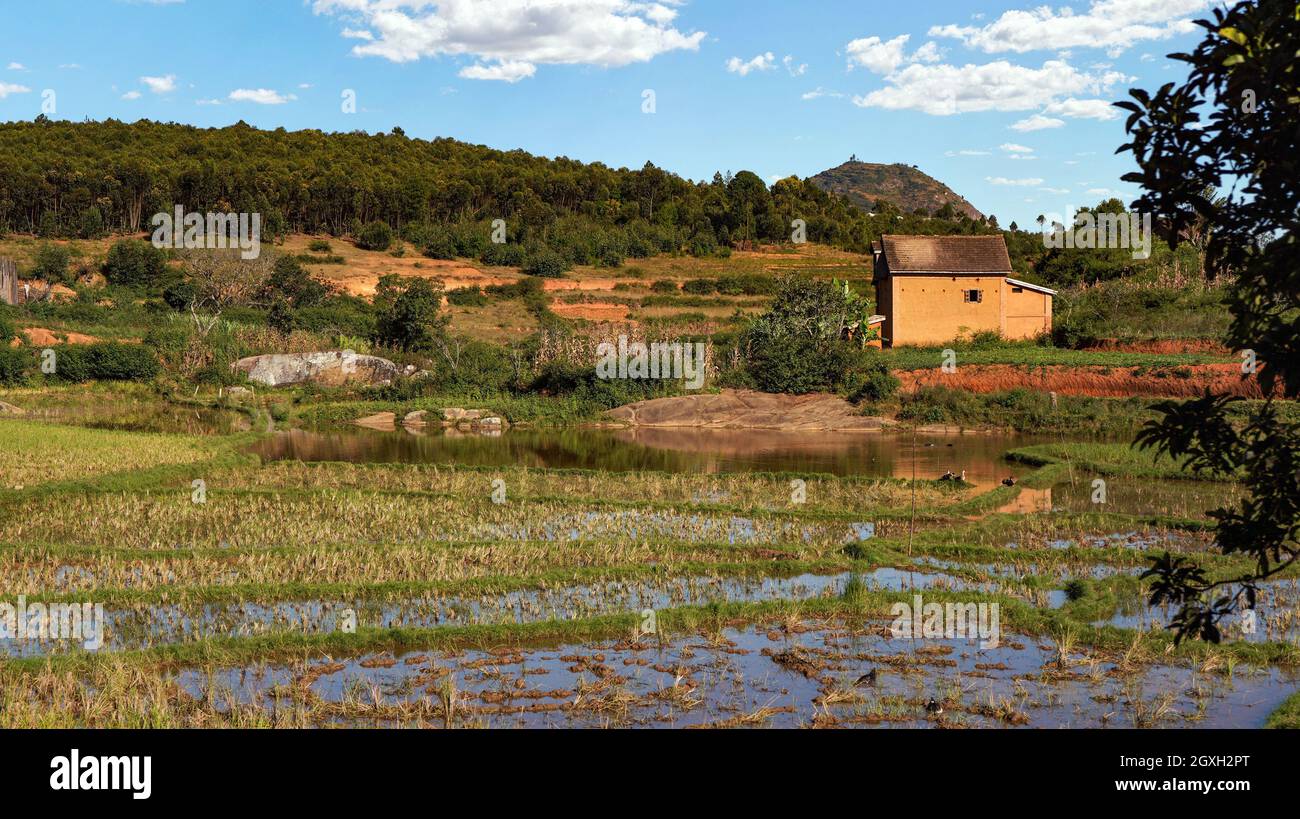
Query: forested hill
x=63, y=179
x=903, y=186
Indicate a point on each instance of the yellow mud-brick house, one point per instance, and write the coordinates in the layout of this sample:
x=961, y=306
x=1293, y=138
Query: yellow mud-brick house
x=936, y=289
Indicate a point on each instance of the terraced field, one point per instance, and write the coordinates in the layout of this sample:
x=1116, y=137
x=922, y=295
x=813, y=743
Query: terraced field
x=237, y=592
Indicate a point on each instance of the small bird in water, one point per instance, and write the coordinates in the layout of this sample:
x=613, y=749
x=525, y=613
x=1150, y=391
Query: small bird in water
x=867, y=679
x=1008, y=481
x=934, y=707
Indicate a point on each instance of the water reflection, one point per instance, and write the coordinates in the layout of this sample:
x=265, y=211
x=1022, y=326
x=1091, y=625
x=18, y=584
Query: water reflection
x=676, y=450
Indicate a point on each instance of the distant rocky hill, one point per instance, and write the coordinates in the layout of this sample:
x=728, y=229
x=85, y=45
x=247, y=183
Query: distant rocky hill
x=866, y=182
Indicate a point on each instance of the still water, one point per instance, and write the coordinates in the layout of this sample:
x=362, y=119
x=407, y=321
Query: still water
x=671, y=450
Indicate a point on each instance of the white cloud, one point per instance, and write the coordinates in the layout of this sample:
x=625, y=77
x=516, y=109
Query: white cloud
x=928, y=53
x=160, y=85
x=876, y=55
x=17, y=67
x=70, y=66
x=1002, y=180
x=1058, y=191
x=131, y=95
x=9, y=88
x=1114, y=25
x=357, y=34
x=509, y=71
x=1016, y=148
x=1037, y=122
x=207, y=102
x=967, y=152
x=261, y=96
x=1083, y=109
x=506, y=35
x=790, y=66
x=820, y=92
x=944, y=89
x=763, y=62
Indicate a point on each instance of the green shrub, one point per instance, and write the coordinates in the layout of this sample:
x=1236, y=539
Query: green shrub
x=280, y=317
x=319, y=246
x=799, y=363
x=135, y=263
x=7, y=331
x=547, y=264
x=466, y=297
x=870, y=381
x=375, y=236
x=503, y=255
x=51, y=264
x=13, y=365
x=664, y=286
x=106, y=361
x=700, y=287
x=438, y=243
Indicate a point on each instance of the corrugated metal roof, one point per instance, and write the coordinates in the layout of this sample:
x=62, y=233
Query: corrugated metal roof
x=1038, y=287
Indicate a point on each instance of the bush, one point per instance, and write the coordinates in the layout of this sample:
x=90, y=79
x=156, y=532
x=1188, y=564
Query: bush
x=319, y=246
x=747, y=284
x=700, y=287
x=179, y=295
x=479, y=366
x=870, y=381
x=348, y=315
x=13, y=366
x=800, y=364
x=375, y=236
x=411, y=320
x=503, y=255
x=291, y=282
x=51, y=264
x=664, y=286
x=107, y=361
x=546, y=263
x=439, y=243
x=466, y=297
x=280, y=317
x=135, y=263
x=7, y=331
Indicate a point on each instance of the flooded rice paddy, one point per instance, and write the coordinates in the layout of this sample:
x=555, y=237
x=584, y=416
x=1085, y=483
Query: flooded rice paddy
x=297, y=552
x=779, y=674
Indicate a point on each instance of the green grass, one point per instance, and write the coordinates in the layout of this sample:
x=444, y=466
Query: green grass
x=32, y=454
x=1287, y=715
x=1108, y=459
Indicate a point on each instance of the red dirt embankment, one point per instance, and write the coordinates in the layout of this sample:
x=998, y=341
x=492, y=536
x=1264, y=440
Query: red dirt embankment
x=1103, y=382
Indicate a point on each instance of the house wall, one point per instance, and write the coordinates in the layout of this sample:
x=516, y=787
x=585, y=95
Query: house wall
x=1028, y=313
x=931, y=309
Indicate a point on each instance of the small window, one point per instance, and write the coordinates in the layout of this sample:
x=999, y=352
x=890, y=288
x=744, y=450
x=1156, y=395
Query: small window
x=973, y=295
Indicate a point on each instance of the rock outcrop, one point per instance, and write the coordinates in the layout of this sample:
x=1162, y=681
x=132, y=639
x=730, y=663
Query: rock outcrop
x=330, y=369
x=746, y=409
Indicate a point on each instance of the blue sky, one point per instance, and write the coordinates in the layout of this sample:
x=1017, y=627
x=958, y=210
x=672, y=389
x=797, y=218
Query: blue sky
x=1002, y=100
